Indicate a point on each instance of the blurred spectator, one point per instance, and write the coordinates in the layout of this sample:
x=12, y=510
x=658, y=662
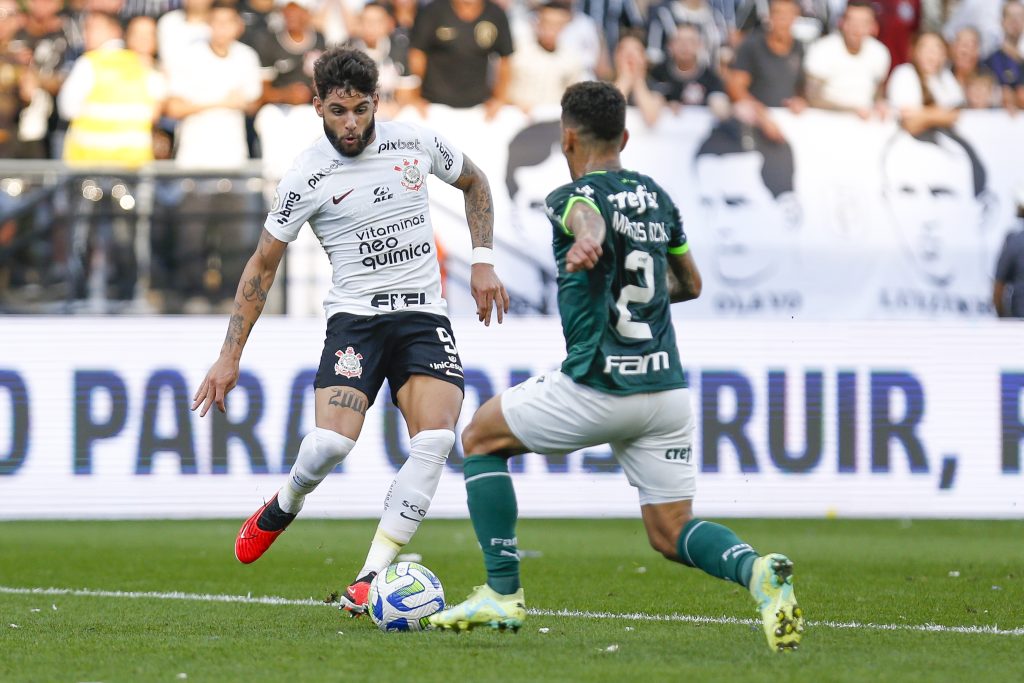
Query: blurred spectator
x=768, y=71
x=686, y=77
x=631, y=79
x=287, y=122
x=846, y=70
x=975, y=79
x=211, y=89
x=212, y=86
x=17, y=82
x=1007, y=63
x=541, y=70
x=898, y=22
x=287, y=55
x=924, y=92
x=180, y=28
x=1008, y=288
x=612, y=16
x=256, y=15
x=664, y=18
x=140, y=36
x=388, y=46
x=405, y=14
x=54, y=41
x=583, y=37
x=110, y=98
x=452, y=45
x=980, y=15
x=154, y=9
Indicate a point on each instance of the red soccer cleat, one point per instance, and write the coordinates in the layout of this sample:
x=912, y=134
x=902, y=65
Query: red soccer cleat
x=356, y=596
x=253, y=541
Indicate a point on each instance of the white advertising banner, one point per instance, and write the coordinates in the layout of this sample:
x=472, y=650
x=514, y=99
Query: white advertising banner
x=846, y=219
x=793, y=419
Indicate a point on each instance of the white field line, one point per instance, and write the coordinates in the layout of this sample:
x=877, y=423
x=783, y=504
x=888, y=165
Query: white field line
x=572, y=614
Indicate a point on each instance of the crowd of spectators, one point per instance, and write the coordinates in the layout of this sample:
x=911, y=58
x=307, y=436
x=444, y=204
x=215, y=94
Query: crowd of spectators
x=189, y=71
x=123, y=82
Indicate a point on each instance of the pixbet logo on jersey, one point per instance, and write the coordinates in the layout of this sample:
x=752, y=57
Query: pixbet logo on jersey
x=398, y=145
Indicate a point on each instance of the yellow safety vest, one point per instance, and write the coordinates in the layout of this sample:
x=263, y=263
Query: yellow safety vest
x=115, y=125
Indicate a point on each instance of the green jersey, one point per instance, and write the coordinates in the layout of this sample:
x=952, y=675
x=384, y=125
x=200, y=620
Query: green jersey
x=615, y=317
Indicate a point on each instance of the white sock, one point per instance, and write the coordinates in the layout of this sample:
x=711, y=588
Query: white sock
x=409, y=497
x=320, y=452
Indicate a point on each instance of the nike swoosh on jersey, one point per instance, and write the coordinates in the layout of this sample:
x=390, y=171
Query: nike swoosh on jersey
x=337, y=199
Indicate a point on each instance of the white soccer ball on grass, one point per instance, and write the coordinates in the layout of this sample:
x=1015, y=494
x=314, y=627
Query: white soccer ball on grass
x=403, y=596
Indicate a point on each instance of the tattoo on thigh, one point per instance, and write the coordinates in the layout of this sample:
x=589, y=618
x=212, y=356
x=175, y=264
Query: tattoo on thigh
x=346, y=398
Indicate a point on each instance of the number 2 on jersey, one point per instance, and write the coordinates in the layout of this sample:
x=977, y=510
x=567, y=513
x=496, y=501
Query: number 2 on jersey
x=635, y=294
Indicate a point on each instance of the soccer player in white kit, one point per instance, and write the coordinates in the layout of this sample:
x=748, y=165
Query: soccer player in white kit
x=362, y=188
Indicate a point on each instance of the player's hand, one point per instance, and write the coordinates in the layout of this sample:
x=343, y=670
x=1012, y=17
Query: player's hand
x=221, y=379
x=487, y=291
x=583, y=255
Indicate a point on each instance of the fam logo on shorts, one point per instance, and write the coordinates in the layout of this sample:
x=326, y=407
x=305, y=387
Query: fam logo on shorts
x=412, y=176
x=348, y=364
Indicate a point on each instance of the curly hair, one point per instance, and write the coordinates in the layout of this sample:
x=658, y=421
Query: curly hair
x=598, y=109
x=345, y=70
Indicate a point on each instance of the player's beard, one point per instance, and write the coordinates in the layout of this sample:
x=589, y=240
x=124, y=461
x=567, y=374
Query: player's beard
x=355, y=149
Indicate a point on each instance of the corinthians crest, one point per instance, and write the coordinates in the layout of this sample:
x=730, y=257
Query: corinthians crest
x=348, y=364
x=412, y=175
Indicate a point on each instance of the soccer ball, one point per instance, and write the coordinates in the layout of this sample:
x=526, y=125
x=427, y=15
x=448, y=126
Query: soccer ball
x=403, y=596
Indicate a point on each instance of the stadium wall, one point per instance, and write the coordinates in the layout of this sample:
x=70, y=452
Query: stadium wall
x=893, y=419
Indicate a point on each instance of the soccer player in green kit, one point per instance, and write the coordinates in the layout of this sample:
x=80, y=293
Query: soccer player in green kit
x=622, y=259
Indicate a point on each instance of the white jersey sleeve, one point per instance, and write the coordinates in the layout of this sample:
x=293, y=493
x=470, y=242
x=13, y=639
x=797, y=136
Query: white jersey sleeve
x=445, y=159
x=294, y=204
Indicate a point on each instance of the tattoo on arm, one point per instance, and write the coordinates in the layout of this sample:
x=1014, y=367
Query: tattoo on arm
x=347, y=398
x=479, y=207
x=254, y=291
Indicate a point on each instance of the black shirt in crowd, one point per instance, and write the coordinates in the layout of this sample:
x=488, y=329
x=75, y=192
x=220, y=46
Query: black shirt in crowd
x=458, y=52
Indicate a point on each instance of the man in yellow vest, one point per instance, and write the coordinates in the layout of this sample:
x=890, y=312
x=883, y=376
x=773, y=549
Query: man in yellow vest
x=111, y=98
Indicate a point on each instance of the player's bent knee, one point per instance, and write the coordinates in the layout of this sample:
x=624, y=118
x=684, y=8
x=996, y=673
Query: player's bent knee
x=332, y=446
x=432, y=445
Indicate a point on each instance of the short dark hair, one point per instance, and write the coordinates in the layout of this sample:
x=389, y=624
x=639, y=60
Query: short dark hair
x=345, y=69
x=224, y=4
x=778, y=168
x=384, y=5
x=597, y=108
x=862, y=4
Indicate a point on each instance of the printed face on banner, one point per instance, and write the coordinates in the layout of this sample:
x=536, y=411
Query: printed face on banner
x=929, y=189
x=755, y=231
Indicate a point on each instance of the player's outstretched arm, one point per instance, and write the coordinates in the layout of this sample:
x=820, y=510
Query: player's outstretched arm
x=684, y=281
x=483, y=281
x=250, y=297
x=588, y=227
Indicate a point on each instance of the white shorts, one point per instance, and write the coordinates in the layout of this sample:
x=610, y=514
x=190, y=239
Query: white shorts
x=651, y=435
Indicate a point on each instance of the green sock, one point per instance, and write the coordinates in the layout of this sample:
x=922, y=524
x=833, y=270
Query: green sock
x=493, y=509
x=716, y=550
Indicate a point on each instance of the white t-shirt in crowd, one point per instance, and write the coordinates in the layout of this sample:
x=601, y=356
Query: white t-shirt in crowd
x=850, y=80
x=175, y=33
x=904, y=89
x=372, y=216
x=539, y=77
x=214, y=138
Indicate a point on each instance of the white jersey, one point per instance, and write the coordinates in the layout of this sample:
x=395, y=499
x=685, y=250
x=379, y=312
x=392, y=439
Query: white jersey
x=371, y=214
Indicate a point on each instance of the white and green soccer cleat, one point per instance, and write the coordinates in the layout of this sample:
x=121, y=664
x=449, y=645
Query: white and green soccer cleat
x=771, y=584
x=483, y=607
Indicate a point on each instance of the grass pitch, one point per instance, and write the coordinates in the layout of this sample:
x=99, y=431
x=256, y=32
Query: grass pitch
x=869, y=589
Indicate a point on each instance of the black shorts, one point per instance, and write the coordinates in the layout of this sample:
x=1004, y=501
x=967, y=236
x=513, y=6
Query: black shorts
x=361, y=351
